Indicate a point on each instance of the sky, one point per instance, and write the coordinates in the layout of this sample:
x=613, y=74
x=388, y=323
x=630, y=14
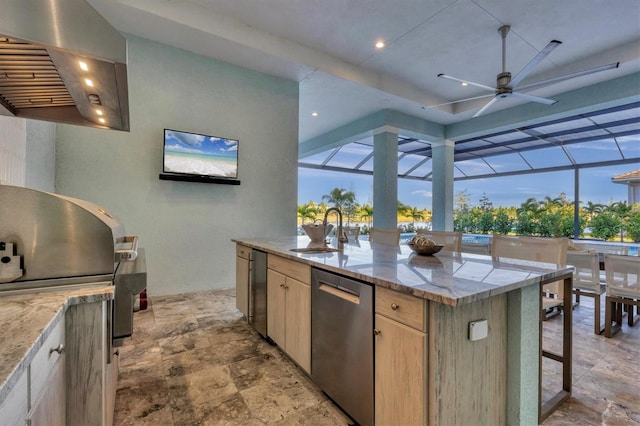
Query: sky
x=595, y=186
x=200, y=144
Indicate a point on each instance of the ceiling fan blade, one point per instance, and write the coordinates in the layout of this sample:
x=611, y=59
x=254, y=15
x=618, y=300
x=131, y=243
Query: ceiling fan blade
x=482, y=86
x=486, y=107
x=524, y=72
x=458, y=101
x=532, y=98
x=569, y=76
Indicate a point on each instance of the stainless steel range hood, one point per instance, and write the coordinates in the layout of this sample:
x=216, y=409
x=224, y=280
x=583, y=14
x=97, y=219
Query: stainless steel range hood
x=42, y=45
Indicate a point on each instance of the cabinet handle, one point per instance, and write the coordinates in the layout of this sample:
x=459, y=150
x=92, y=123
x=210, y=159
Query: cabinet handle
x=395, y=306
x=117, y=353
x=281, y=285
x=376, y=331
x=59, y=349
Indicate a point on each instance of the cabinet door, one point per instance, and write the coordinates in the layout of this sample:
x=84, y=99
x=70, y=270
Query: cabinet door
x=276, y=307
x=50, y=408
x=298, y=322
x=242, y=285
x=13, y=410
x=113, y=370
x=400, y=374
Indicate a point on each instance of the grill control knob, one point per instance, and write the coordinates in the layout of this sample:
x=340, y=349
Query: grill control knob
x=5, y=259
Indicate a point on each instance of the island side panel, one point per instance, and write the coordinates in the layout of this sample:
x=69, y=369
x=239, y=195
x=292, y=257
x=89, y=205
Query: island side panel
x=524, y=355
x=468, y=379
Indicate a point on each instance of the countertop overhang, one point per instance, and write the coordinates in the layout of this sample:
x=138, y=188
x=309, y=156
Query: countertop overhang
x=28, y=318
x=448, y=278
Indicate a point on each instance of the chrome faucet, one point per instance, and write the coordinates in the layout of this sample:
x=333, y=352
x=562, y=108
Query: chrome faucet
x=342, y=237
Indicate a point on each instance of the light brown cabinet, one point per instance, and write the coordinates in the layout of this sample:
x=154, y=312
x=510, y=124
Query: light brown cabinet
x=289, y=308
x=401, y=359
x=243, y=271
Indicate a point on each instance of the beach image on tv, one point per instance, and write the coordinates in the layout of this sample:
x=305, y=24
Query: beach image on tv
x=200, y=155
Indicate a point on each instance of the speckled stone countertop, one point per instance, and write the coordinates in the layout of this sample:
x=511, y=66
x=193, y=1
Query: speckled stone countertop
x=446, y=277
x=27, y=319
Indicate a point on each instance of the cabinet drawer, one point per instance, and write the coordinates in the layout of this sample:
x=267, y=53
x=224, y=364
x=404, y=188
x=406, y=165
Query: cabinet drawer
x=401, y=307
x=243, y=251
x=290, y=268
x=45, y=360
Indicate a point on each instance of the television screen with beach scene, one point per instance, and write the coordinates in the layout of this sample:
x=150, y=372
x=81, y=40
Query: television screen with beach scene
x=200, y=155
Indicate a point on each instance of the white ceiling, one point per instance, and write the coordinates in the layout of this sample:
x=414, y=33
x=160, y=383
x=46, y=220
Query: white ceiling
x=328, y=46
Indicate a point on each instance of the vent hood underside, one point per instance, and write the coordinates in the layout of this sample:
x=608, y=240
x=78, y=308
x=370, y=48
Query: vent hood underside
x=41, y=75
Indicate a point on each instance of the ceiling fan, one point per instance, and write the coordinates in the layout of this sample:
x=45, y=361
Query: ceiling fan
x=507, y=87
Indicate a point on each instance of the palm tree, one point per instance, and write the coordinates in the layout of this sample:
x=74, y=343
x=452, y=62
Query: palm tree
x=340, y=198
x=366, y=212
x=307, y=211
x=623, y=211
x=414, y=213
x=593, y=208
x=403, y=209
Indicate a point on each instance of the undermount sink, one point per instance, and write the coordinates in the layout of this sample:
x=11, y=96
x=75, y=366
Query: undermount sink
x=314, y=250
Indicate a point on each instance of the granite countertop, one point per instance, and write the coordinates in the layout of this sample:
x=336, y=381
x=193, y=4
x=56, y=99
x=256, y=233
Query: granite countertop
x=449, y=278
x=27, y=319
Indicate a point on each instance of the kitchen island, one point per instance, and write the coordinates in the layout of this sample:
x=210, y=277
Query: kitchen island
x=457, y=335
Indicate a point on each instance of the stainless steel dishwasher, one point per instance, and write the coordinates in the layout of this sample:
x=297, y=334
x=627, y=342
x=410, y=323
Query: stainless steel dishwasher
x=342, y=342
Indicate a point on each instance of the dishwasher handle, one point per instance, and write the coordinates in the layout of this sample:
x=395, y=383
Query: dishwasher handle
x=340, y=292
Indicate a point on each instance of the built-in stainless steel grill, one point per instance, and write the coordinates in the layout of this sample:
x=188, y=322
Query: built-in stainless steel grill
x=49, y=240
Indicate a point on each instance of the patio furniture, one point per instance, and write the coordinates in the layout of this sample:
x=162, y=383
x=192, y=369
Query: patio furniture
x=452, y=241
x=586, y=281
x=549, y=250
x=538, y=249
x=352, y=232
x=623, y=290
x=603, y=248
x=476, y=248
x=385, y=236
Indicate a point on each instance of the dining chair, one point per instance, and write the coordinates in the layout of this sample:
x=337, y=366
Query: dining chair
x=385, y=236
x=623, y=290
x=352, y=232
x=586, y=281
x=603, y=248
x=450, y=240
x=537, y=249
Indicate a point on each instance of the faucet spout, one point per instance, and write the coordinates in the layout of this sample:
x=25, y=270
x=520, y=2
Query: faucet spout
x=342, y=237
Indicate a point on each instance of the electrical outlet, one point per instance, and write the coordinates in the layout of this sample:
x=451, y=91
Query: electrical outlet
x=478, y=330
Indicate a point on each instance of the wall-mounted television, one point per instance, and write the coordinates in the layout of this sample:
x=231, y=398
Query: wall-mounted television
x=199, y=158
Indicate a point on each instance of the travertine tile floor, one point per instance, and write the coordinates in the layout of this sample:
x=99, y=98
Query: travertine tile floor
x=194, y=361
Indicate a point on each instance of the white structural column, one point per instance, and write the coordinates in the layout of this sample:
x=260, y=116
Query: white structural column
x=385, y=177
x=442, y=185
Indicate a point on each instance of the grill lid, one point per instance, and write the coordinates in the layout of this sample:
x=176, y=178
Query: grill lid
x=58, y=237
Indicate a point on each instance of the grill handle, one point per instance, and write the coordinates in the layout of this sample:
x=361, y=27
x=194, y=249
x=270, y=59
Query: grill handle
x=127, y=248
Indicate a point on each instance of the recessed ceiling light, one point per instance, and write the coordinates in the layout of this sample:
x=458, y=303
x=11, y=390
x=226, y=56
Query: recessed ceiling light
x=464, y=83
x=102, y=120
x=314, y=114
x=83, y=66
x=379, y=44
x=88, y=82
x=99, y=111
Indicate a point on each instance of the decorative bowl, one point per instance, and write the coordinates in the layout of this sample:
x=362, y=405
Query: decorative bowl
x=317, y=232
x=425, y=250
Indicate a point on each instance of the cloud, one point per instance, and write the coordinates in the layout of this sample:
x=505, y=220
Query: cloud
x=180, y=148
x=422, y=193
x=190, y=139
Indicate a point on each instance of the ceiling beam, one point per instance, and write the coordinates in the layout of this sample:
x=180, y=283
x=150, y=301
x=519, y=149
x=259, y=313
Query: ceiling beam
x=408, y=126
